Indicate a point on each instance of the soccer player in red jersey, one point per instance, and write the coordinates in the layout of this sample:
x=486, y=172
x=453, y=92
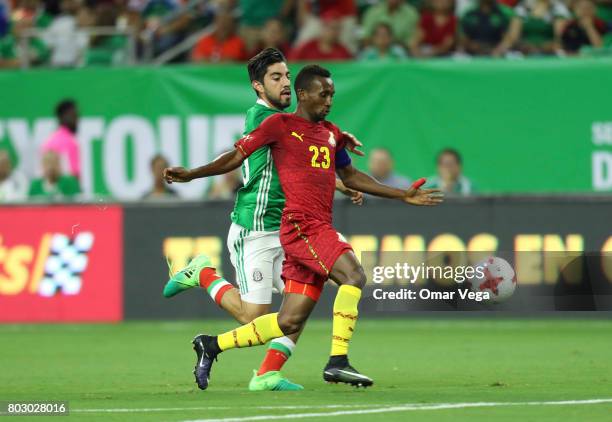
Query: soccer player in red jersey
x=303, y=147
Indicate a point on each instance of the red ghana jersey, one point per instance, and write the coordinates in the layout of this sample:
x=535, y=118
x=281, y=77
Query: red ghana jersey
x=304, y=155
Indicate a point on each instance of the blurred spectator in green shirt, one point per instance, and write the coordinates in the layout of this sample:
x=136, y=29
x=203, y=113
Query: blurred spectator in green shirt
x=29, y=14
x=382, y=47
x=604, y=11
x=449, y=178
x=253, y=17
x=54, y=186
x=542, y=25
x=402, y=17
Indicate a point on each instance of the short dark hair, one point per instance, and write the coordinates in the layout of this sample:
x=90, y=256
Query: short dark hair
x=259, y=63
x=307, y=75
x=63, y=106
x=450, y=151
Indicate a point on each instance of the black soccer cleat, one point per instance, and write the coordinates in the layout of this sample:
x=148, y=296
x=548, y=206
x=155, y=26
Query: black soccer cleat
x=338, y=370
x=206, y=350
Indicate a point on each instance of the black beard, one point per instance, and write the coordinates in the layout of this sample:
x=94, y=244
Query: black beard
x=277, y=104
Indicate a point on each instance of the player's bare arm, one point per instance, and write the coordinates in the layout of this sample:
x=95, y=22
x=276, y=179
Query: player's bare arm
x=358, y=180
x=224, y=163
x=356, y=196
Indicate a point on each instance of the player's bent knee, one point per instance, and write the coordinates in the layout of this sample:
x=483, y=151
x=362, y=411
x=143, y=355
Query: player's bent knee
x=356, y=277
x=290, y=323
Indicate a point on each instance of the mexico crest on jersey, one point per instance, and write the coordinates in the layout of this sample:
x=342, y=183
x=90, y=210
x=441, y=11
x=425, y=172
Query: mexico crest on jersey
x=332, y=139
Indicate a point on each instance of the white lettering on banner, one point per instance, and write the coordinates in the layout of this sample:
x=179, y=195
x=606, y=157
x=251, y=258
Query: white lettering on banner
x=90, y=129
x=27, y=143
x=198, y=142
x=141, y=132
x=197, y=149
x=602, y=170
x=602, y=133
x=188, y=141
x=227, y=130
x=170, y=139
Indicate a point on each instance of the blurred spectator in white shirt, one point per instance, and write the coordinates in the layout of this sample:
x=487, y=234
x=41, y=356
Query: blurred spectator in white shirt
x=63, y=36
x=13, y=185
x=381, y=166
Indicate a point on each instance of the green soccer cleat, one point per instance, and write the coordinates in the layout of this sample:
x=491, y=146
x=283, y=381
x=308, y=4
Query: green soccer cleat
x=272, y=381
x=188, y=277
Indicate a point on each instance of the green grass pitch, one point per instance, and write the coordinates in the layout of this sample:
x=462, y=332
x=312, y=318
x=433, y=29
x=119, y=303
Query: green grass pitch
x=424, y=370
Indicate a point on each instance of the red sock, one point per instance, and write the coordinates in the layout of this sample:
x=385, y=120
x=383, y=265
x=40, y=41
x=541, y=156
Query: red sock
x=207, y=277
x=273, y=361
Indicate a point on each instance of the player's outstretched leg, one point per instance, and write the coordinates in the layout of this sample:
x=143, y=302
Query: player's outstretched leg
x=290, y=319
x=349, y=274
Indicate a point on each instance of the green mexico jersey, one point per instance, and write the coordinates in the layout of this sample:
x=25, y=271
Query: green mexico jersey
x=260, y=202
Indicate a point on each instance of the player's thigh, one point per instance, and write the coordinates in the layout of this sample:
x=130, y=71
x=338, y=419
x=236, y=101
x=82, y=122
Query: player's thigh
x=348, y=270
x=254, y=259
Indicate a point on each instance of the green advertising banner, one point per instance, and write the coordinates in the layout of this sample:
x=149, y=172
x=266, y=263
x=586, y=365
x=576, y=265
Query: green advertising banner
x=541, y=125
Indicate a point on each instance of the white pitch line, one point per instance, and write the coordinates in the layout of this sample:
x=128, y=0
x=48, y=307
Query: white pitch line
x=182, y=409
x=407, y=407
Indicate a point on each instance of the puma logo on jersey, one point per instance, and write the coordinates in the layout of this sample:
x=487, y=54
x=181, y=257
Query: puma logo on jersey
x=298, y=136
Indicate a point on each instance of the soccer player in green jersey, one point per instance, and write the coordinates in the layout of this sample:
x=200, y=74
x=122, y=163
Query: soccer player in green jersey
x=253, y=239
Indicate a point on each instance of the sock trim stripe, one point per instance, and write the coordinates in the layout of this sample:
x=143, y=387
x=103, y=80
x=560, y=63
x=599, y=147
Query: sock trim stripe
x=214, y=288
x=224, y=289
x=212, y=285
x=346, y=316
x=345, y=340
x=279, y=347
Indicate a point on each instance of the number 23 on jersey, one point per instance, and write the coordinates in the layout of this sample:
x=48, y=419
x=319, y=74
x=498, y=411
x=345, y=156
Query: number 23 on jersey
x=323, y=152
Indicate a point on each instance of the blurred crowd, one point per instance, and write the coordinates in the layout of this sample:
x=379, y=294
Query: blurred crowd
x=60, y=170
x=233, y=30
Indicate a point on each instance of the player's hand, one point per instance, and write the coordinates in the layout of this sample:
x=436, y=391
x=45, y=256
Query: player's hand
x=415, y=186
x=177, y=174
x=353, y=143
x=426, y=197
x=356, y=196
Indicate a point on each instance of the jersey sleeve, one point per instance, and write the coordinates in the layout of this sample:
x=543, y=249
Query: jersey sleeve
x=268, y=132
x=342, y=158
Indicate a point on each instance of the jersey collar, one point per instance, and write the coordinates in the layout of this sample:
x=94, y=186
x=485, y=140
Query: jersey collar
x=265, y=104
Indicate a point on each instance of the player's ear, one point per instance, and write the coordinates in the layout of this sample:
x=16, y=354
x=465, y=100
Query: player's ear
x=301, y=94
x=257, y=86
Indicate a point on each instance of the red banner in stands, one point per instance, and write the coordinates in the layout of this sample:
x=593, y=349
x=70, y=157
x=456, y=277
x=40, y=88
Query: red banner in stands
x=61, y=263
